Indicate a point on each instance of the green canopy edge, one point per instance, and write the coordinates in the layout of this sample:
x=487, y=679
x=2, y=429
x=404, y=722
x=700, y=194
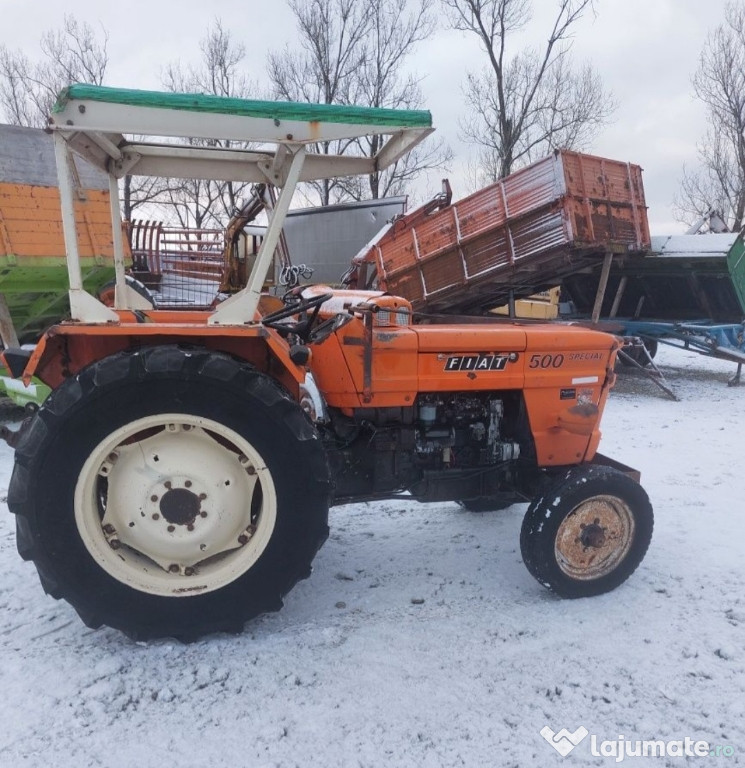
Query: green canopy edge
x=273, y=110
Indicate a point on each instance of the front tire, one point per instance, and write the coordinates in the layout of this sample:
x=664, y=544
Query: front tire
x=588, y=532
x=170, y=492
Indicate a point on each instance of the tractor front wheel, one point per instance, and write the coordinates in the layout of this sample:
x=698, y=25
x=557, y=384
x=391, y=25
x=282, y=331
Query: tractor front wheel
x=170, y=492
x=588, y=532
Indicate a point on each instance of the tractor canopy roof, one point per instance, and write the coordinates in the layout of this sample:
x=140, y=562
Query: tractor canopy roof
x=132, y=132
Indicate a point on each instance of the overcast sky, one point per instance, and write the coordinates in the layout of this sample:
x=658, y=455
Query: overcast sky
x=645, y=51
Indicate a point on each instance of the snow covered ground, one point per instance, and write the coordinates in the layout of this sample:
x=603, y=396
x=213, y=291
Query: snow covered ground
x=358, y=671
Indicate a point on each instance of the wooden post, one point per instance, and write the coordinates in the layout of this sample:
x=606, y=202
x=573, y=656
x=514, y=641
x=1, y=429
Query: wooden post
x=618, y=296
x=7, y=329
x=602, y=285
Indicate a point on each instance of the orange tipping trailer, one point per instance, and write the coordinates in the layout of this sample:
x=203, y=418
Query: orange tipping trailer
x=514, y=238
x=173, y=485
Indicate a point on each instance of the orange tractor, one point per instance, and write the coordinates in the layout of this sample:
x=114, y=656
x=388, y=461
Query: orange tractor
x=172, y=484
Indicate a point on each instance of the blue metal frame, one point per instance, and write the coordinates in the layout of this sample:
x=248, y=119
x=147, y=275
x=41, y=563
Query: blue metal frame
x=716, y=340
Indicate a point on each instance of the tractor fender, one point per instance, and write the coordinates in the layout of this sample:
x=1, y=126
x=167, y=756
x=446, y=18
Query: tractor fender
x=67, y=348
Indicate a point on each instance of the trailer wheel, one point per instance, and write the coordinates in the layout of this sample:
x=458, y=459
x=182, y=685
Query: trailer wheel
x=588, y=532
x=639, y=356
x=170, y=492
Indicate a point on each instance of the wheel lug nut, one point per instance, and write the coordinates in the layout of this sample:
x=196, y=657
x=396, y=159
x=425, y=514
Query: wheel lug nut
x=153, y=498
x=108, y=528
x=251, y=470
x=173, y=568
x=156, y=516
x=243, y=539
x=115, y=543
x=202, y=496
x=171, y=528
x=202, y=514
x=167, y=484
x=190, y=527
x=188, y=571
x=187, y=484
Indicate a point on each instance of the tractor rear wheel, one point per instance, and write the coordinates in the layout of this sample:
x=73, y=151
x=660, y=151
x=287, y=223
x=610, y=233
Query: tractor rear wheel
x=588, y=532
x=170, y=492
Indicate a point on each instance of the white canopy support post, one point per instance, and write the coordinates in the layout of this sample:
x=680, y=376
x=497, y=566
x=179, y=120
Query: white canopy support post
x=120, y=290
x=67, y=204
x=241, y=308
x=124, y=296
x=398, y=145
x=83, y=307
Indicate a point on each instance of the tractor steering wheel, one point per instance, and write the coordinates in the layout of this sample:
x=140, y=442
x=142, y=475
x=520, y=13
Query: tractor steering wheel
x=303, y=326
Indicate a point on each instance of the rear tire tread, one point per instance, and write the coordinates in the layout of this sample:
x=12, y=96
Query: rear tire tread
x=181, y=365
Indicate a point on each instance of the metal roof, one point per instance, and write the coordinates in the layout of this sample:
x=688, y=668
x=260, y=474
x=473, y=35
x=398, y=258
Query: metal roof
x=702, y=246
x=27, y=157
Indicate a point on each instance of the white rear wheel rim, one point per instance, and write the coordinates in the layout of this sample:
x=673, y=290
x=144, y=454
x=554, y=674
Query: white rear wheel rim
x=175, y=505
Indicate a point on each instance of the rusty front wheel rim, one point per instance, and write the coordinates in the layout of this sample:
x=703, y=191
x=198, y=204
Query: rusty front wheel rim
x=594, y=538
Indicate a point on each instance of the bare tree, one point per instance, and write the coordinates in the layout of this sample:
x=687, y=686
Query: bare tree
x=28, y=90
x=76, y=53
x=526, y=104
x=137, y=192
x=332, y=35
x=17, y=106
x=719, y=82
x=196, y=202
x=396, y=27
x=354, y=52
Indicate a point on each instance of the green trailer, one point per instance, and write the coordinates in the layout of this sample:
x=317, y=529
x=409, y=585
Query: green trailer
x=33, y=270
